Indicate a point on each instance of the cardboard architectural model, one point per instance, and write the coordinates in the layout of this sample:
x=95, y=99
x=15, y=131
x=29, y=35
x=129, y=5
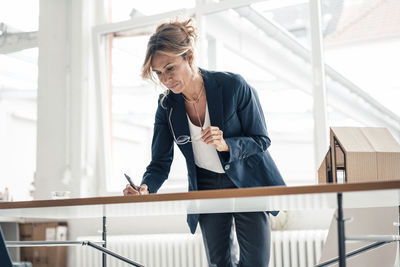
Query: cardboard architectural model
x=360, y=154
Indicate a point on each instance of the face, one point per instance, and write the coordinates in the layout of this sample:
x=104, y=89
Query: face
x=174, y=72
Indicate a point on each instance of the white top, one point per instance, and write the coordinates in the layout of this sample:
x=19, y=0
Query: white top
x=205, y=156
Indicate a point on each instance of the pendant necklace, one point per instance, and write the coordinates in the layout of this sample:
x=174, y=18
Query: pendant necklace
x=194, y=102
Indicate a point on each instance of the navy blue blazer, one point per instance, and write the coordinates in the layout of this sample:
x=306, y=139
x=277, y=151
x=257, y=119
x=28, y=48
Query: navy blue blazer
x=235, y=108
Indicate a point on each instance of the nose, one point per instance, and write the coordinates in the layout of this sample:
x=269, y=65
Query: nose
x=165, y=77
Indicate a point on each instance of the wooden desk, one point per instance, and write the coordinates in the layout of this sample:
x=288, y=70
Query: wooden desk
x=314, y=197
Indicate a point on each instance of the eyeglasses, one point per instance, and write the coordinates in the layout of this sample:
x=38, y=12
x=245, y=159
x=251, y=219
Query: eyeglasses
x=183, y=139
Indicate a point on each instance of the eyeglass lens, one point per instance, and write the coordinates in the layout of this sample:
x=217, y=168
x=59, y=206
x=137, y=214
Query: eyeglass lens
x=181, y=140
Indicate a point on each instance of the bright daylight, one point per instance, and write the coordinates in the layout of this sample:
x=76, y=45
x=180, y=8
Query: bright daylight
x=246, y=133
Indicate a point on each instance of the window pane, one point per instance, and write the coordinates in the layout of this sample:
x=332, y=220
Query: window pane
x=21, y=15
x=363, y=44
x=124, y=10
x=18, y=90
x=291, y=15
x=238, y=42
x=134, y=103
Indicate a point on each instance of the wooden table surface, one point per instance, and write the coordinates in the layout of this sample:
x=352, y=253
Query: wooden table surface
x=371, y=194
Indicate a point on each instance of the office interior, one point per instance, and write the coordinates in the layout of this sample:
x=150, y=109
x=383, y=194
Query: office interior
x=75, y=115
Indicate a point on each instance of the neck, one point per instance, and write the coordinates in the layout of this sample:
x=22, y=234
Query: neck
x=193, y=92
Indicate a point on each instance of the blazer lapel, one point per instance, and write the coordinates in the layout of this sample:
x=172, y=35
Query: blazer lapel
x=180, y=123
x=214, y=99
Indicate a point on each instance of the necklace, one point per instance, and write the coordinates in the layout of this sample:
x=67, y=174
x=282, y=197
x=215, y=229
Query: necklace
x=195, y=100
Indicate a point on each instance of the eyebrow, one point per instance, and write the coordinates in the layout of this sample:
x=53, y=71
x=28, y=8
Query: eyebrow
x=164, y=66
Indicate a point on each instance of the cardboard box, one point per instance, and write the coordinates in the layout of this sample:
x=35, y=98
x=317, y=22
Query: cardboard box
x=360, y=154
x=44, y=256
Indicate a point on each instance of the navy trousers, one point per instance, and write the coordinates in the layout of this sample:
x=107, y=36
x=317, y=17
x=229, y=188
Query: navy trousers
x=252, y=230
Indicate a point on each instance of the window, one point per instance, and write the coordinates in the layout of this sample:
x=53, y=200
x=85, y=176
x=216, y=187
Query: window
x=134, y=103
x=269, y=44
x=362, y=43
x=18, y=90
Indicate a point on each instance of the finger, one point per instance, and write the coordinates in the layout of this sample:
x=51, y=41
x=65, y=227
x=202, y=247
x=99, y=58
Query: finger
x=212, y=139
x=204, y=133
x=144, y=189
x=206, y=129
x=210, y=132
x=130, y=190
x=217, y=135
x=126, y=192
x=128, y=186
x=209, y=129
x=215, y=142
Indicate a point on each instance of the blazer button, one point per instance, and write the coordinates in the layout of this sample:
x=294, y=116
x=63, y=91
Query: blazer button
x=227, y=166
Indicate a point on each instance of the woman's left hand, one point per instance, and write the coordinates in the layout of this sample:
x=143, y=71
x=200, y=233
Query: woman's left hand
x=214, y=136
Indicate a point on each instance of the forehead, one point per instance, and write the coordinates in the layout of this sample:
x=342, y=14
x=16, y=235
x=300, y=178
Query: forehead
x=159, y=61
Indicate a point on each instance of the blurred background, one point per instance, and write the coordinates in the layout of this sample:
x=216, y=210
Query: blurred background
x=75, y=114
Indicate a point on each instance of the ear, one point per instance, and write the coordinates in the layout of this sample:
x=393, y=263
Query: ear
x=189, y=57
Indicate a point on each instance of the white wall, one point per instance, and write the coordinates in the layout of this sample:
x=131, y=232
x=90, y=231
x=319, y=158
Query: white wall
x=65, y=110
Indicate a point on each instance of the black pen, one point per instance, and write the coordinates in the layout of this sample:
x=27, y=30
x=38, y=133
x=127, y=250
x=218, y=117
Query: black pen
x=130, y=181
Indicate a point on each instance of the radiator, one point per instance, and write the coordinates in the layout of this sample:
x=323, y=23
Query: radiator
x=296, y=248
x=288, y=249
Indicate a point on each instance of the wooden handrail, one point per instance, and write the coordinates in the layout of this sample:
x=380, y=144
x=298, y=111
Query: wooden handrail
x=206, y=194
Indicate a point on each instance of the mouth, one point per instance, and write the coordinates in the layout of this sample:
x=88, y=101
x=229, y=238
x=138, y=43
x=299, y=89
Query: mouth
x=173, y=86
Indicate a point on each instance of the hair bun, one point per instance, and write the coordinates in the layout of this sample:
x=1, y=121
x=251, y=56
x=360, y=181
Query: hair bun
x=174, y=38
x=188, y=27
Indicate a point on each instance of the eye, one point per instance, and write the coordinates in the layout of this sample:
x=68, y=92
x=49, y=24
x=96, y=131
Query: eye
x=170, y=68
x=158, y=73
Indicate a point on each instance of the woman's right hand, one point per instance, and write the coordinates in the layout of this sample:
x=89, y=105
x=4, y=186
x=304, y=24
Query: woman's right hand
x=139, y=190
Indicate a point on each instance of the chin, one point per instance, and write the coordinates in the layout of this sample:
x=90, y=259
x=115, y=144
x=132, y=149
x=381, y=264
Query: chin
x=176, y=90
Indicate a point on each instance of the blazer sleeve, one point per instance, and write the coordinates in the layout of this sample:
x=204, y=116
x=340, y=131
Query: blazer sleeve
x=254, y=137
x=162, y=152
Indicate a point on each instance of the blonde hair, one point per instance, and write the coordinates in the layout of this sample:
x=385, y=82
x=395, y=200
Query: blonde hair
x=175, y=38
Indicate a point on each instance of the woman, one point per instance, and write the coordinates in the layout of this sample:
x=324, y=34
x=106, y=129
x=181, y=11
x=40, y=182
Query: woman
x=218, y=124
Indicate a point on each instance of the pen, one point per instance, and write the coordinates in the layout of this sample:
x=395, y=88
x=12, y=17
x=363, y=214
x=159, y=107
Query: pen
x=130, y=181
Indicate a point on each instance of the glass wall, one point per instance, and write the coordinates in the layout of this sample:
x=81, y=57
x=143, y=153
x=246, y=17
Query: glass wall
x=362, y=41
